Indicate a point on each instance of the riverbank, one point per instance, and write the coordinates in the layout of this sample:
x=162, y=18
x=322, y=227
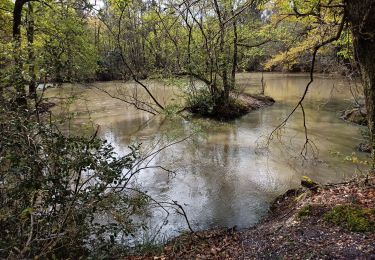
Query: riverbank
x=335, y=221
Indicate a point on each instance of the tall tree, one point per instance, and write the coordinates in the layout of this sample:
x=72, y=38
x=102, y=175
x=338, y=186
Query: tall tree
x=361, y=16
x=30, y=49
x=324, y=22
x=18, y=78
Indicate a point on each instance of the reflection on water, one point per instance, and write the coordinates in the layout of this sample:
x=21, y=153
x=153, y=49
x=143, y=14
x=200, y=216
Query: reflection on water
x=225, y=176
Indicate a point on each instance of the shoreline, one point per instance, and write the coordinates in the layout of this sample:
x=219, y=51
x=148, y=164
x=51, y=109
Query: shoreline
x=333, y=221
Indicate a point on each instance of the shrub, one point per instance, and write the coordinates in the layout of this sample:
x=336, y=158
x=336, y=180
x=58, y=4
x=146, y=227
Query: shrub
x=62, y=197
x=203, y=103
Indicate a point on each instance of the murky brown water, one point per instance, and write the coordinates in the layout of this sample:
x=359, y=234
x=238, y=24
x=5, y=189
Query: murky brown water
x=224, y=174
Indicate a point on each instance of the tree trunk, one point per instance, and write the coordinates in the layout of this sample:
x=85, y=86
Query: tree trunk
x=18, y=79
x=30, y=50
x=222, y=53
x=361, y=15
x=235, y=51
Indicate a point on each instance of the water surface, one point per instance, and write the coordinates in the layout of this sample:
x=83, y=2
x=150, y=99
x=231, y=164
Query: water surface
x=225, y=175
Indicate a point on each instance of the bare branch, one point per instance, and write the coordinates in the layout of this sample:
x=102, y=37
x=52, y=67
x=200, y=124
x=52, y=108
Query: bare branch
x=133, y=75
x=312, y=67
x=151, y=110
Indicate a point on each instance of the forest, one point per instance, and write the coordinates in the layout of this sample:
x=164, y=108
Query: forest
x=187, y=129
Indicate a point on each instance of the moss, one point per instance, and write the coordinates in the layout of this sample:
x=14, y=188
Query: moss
x=354, y=218
x=304, y=211
x=308, y=180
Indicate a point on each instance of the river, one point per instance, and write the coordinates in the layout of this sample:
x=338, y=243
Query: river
x=224, y=174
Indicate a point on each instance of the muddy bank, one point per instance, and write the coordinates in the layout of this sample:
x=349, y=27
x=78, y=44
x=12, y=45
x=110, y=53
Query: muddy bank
x=320, y=222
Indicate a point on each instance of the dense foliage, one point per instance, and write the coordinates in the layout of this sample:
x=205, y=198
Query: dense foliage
x=207, y=40
x=62, y=196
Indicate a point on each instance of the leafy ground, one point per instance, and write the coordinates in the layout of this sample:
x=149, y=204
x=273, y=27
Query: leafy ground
x=330, y=222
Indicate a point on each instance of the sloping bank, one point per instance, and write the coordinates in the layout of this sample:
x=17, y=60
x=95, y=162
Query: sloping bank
x=335, y=221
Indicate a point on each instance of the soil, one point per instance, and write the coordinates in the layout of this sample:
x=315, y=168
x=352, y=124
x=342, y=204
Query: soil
x=296, y=228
